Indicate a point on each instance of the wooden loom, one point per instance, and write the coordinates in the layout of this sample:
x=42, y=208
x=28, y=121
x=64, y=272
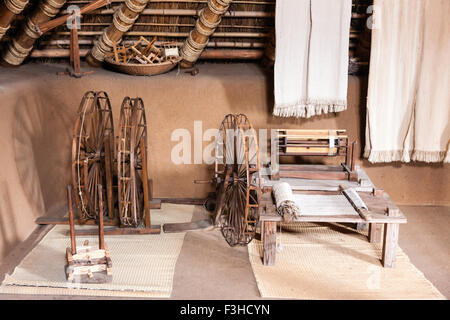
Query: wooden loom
x=324, y=143
x=382, y=215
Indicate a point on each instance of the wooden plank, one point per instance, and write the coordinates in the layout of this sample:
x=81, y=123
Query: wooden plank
x=314, y=175
x=188, y=201
x=310, y=150
x=318, y=131
x=310, y=167
x=269, y=242
x=155, y=204
x=155, y=229
x=188, y=226
x=65, y=220
x=311, y=136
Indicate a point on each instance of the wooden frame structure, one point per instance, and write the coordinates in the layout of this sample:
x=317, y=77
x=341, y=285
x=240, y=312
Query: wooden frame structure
x=322, y=143
x=382, y=214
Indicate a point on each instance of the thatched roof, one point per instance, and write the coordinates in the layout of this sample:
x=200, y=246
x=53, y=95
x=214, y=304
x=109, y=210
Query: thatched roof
x=247, y=25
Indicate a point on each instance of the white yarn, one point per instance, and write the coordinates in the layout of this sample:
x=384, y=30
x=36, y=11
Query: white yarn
x=285, y=201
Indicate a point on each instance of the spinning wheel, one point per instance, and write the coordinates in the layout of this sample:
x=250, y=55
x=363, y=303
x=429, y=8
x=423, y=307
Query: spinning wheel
x=237, y=177
x=131, y=164
x=92, y=154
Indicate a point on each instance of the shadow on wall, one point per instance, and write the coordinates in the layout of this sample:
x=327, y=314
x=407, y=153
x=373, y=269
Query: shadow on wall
x=41, y=138
x=9, y=236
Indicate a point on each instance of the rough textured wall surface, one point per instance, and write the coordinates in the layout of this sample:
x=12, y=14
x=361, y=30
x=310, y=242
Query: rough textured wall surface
x=38, y=110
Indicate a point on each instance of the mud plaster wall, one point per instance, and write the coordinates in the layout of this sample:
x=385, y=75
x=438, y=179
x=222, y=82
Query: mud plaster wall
x=38, y=110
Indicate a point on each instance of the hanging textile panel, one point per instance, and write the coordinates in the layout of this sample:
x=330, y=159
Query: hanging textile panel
x=311, y=59
x=408, y=106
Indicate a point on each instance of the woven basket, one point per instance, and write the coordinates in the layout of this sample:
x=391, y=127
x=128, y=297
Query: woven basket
x=139, y=69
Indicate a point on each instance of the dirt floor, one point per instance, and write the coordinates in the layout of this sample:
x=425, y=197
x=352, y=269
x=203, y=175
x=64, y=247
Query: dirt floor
x=208, y=268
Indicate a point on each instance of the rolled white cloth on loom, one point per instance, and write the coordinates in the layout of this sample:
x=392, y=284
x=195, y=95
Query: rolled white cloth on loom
x=409, y=93
x=285, y=201
x=311, y=57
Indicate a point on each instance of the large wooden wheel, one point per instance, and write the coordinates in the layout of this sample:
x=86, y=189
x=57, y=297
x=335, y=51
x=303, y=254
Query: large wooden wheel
x=131, y=163
x=237, y=174
x=92, y=154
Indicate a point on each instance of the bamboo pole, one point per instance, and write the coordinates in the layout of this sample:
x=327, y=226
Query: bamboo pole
x=240, y=54
x=193, y=12
x=173, y=34
x=189, y=1
x=207, y=22
x=8, y=11
x=123, y=19
x=211, y=44
x=62, y=19
x=22, y=44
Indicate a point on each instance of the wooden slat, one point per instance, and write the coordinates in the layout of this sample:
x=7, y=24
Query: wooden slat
x=269, y=242
x=311, y=149
x=188, y=226
x=65, y=220
x=314, y=175
x=310, y=167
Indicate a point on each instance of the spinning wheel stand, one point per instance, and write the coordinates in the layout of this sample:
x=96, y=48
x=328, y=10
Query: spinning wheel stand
x=132, y=173
x=237, y=180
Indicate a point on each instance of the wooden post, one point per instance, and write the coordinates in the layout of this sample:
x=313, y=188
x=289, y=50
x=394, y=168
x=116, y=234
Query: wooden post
x=145, y=184
x=269, y=242
x=101, y=235
x=375, y=231
x=274, y=156
x=353, y=156
x=9, y=9
x=348, y=155
x=73, y=243
x=109, y=187
x=390, y=240
x=74, y=49
x=208, y=20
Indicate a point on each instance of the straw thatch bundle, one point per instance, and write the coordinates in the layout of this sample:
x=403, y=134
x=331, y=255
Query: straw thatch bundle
x=247, y=25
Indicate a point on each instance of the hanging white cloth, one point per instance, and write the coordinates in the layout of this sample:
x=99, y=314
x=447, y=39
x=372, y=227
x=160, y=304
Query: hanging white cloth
x=408, y=106
x=311, y=57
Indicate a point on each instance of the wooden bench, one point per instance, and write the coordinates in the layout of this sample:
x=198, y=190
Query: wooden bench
x=383, y=212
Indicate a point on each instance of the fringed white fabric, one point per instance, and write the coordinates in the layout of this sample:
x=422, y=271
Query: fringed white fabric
x=311, y=57
x=285, y=201
x=408, y=106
